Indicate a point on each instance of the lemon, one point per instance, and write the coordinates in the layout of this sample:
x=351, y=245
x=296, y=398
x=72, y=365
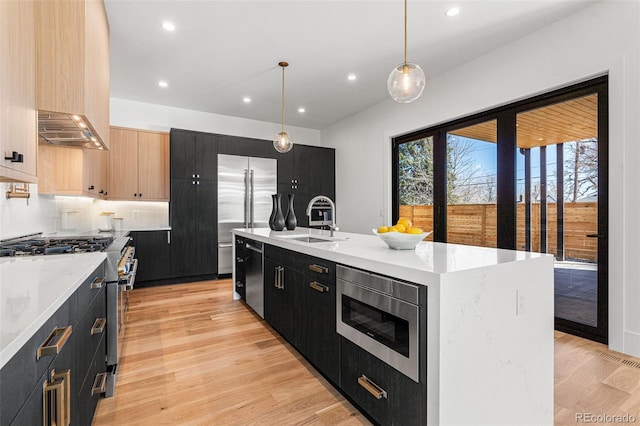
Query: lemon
x=383, y=229
x=400, y=227
x=415, y=231
x=393, y=229
x=405, y=222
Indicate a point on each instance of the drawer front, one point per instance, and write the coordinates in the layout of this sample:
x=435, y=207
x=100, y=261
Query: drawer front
x=317, y=269
x=89, y=340
x=90, y=288
x=356, y=364
x=23, y=371
x=86, y=401
x=31, y=411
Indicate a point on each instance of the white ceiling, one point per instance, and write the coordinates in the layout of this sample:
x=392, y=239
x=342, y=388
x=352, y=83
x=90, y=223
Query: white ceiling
x=222, y=51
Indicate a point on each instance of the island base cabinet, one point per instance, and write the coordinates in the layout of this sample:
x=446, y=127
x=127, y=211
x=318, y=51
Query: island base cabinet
x=386, y=395
x=241, y=271
x=153, y=251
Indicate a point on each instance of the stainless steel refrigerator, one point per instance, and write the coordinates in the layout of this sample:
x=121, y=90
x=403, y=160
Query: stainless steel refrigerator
x=245, y=185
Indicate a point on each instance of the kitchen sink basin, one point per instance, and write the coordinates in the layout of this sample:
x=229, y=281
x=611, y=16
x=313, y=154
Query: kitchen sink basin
x=309, y=239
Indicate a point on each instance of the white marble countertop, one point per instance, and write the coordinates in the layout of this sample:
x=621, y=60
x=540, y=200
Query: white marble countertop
x=421, y=265
x=32, y=289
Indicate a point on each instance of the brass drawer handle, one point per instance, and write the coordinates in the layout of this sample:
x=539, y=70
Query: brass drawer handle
x=319, y=269
x=97, y=283
x=319, y=287
x=98, y=326
x=55, y=342
x=56, y=399
x=371, y=387
x=99, y=384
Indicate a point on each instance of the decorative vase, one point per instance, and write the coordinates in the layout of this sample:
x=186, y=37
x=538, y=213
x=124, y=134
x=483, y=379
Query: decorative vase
x=272, y=218
x=291, y=220
x=278, y=218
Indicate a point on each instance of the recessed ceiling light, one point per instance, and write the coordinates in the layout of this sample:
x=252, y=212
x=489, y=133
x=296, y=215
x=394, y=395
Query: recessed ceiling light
x=351, y=77
x=169, y=26
x=301, y=110
x=453, y=11
x=246, y=99
x=163, y=83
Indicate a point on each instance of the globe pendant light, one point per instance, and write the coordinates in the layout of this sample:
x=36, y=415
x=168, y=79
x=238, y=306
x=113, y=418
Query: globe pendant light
x=283, y=142
x=406, y=82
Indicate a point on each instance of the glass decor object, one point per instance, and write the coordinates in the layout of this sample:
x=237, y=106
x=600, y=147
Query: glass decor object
x=283, y=141
x=291, y=221
x=406, y=81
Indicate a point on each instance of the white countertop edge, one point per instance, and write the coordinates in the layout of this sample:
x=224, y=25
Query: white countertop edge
x=16, y=344
x=370, y=253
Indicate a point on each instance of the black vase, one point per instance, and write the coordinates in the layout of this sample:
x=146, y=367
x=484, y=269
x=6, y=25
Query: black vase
x=276, y=221
x=291, y=220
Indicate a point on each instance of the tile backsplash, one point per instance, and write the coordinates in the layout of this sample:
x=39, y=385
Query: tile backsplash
x=58, y=214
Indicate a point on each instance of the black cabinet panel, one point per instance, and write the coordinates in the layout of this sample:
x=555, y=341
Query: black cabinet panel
x=182, y=148
x=183, y=227
x=321, y=340
x=30, y=413
x=356, y=363
x=281, y=299
x=206, y=238
x=206, y=157
x=235, y=145
x=153, y=251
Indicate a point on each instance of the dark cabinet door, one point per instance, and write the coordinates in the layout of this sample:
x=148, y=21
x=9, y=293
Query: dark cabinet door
x=205, y=156
x=193, y=205
x=153, y=251
x=182, y=148
x=206, y=220
x=361, y=375
x=183, y=227
x=234, y=145
x=282, y=300
x=322, y=175
x=321, y=340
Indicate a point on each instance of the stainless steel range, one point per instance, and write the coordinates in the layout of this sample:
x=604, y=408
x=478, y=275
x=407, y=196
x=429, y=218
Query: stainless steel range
x=120, y=278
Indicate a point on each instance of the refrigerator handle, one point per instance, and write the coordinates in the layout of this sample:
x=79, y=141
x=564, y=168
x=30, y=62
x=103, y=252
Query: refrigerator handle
x=246, y=198
x=251, y=200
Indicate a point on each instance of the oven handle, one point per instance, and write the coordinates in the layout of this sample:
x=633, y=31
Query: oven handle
x=131, y=277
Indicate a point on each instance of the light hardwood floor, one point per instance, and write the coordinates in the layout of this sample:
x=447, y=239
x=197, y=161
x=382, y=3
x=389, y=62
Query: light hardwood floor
x=193, y=356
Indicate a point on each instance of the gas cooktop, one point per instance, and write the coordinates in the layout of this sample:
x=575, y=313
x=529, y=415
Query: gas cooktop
x=57, y=245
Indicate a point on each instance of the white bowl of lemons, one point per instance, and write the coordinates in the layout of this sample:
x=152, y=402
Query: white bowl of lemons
x=402, y=235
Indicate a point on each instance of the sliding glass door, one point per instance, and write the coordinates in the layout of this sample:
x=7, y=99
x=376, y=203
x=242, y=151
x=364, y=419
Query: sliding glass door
x=529, y=176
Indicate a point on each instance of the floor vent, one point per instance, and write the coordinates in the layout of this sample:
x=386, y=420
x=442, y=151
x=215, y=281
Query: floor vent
x=624, y=361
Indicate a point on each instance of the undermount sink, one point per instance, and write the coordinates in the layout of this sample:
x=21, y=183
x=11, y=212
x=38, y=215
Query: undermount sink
x=311, y=239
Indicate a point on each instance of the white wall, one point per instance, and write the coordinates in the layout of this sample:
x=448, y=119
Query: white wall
x=604, y=38
x=140, y=115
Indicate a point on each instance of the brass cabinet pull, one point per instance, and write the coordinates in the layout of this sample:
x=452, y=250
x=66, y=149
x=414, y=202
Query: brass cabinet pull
x=98, y=326
x=97, y=283
x=319, y=269
x=319, y=287
x=99, y=384
x=371, y=387
x=55, y=342
x=56, y=399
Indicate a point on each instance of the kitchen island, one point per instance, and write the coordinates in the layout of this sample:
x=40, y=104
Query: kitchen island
x=489, y=320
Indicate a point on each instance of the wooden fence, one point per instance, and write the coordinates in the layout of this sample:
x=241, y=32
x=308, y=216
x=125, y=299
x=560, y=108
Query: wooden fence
x=476, y=224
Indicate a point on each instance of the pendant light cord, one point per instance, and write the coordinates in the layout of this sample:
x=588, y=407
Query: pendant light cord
x=405, y=31
x=283, y=99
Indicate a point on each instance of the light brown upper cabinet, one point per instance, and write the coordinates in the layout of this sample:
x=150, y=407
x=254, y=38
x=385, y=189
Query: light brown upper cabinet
x=70, y=171
x=138, y=165
x=17, y=92
x=72, y=66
